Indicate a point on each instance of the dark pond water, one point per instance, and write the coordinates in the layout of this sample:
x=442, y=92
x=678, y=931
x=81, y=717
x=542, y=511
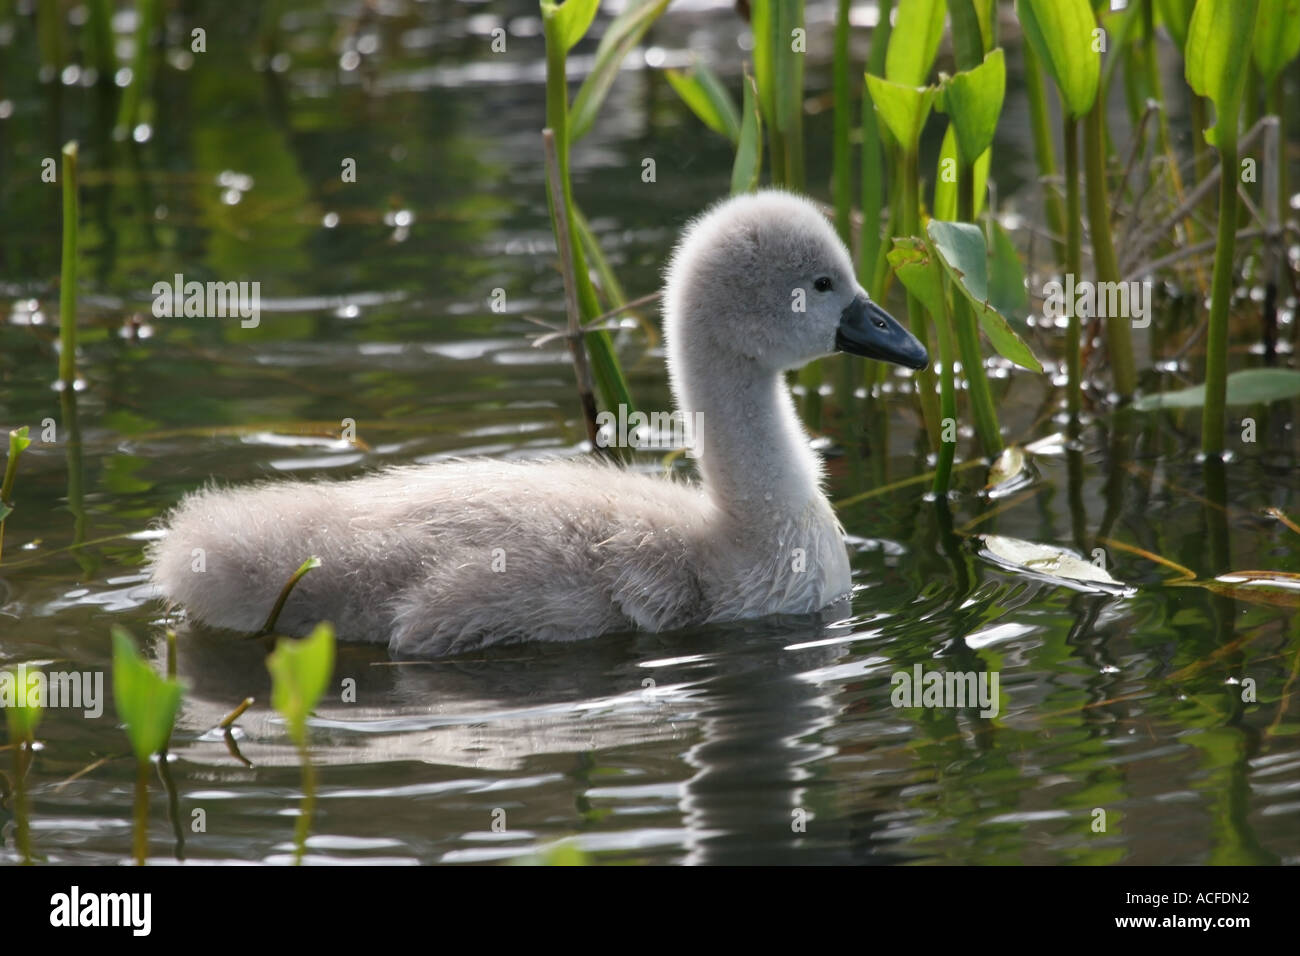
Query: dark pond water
x=773, y=741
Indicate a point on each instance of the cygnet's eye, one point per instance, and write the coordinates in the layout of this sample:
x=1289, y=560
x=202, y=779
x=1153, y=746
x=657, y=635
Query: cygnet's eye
x=822, y=284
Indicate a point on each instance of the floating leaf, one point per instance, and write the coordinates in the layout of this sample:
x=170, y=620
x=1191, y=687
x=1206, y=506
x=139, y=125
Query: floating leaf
x=1217, y=55
x=903, y=109
x=749, y=149
x=708, y=99
x=146, y=702
x=914, y=41
x=300, y=672
x=1278, y=588
x=624, y=33
x=960, y=246
x=1256, y=386
x=1277, y=36
x=1010, y=473
x=1049, y=563
x=570, y=20
x=1061, y=34
x=973, y=101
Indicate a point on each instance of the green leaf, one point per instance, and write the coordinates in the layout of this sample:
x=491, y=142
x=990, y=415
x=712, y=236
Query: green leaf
x=973, y=101
x=749, y=149
x=903, y=109
x=623, y=34
x=146, y=702
x=945, y=185
x=1277, y=36
x=960, y=247
x=1218, y=55
x=1176, y=16
x=708, y=99
x=1060, y=32
x=1007, y=289
x=571, y=20
x=920, y=274
x=914, y=41
x=300, y=672
x=1256, y=386
x=22, y=712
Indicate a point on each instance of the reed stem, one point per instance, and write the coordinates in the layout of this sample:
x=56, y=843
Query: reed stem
x=68, y=277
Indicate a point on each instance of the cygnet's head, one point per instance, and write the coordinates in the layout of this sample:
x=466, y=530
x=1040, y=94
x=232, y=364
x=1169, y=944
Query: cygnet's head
x=763, y=278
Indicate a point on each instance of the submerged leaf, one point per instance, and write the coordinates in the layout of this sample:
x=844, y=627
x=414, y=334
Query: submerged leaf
x=23, y=708
x=1049, y=563
x=1248, y=387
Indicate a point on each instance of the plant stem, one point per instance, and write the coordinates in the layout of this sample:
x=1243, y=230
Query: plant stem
x=609, y=378
x=302, y=827
x=947, y=401
x=285, y=591
x=1216, y=347
x=68, y=278
x=915, y=311
x=1044, y=151
x=842, y=158
x=870, y=246
x=1073, y=266
x=1118, y=338
x=22, y=833
x=577, y=347
x=140, y=830
x=968, y=342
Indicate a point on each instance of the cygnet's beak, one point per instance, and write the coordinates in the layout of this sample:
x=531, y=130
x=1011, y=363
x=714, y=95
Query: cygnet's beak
x=867, y=329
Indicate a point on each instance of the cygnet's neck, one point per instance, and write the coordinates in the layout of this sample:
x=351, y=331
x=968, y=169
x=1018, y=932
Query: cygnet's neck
x=753, y=452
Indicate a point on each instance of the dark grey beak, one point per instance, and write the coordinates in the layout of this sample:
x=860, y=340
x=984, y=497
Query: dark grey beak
x=867, y=329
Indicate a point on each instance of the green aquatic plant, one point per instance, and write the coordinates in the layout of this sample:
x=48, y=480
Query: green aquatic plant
x=973, y=101
x=22, y=715
x=300, y=672
x=68, y=275
x=147, y=704
x=1219, y=41
x=779, y=45
x=563, y=26
x=269, y=627
x=748, y=165
x=1060, y=33
x=18, y=442
x=872, y=264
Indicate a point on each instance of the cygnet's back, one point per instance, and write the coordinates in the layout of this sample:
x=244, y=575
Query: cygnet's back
x=436, y=559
